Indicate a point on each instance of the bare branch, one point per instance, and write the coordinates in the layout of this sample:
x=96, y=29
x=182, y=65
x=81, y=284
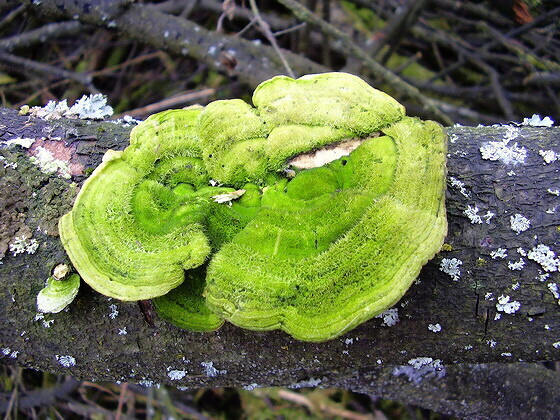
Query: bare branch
x=27, y=66
x=389, y=77
x=265, y=28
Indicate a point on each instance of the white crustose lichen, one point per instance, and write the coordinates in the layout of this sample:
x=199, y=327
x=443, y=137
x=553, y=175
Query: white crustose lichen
x=460, y=185
x=176, y=375
x=504, y=305
x=516, y=265
x=452, y=267
x=544, y=256
x=502, y=151
x=537, y=121
x=390, y=317
x=21, y=244
x=549, y=156
x=519, y=223
x=499, y=253
x=553, y=287
x=66, y=361
x=435, y=328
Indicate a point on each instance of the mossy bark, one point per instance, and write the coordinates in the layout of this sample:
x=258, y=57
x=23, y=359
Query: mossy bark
x=111, y=340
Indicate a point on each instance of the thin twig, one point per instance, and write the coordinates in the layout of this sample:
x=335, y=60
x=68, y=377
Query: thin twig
x=122, y=398
x=389, y=77
x=517, y=48
x=169, y=102
x=411, y=60
x=543, y=78
x=240, y=13
x=265, y=28
x=398, y=26
x=472, y=57
x=479, y=10
x=537, y=21
x=42, y=34
x=291, y=29
x=498, y=89
x=326, y=51
x=11, y=16
x=24, y=65
x=246, y=27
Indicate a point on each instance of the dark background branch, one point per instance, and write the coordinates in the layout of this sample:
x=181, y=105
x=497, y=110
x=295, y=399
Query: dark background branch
x=401, y=47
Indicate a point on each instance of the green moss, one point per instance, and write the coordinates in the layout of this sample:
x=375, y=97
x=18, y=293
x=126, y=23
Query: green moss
x=313, y=254
x=447, y=247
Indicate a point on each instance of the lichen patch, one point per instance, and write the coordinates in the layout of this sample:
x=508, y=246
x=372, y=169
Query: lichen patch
x=435, y=328
x=504, y=152
x=24, y=142
x=472, y=213
x=176, y=375
x=210, y=370
x=56, y=157
x=452, y=267
x=553, y=287
x=66, y=361
x=499, y=253
x=421, y=368
x=544, y=256
x=549, y=156
x=505, y=305
x=537, y=121
x=22, y=245
x=87, y=107
x=390, y=317
x=519, y=223
x=460, y=185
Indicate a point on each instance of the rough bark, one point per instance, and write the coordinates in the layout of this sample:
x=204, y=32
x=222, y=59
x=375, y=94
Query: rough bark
x=477, y=352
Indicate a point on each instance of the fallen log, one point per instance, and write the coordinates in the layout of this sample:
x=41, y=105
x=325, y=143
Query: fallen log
x=487, y=306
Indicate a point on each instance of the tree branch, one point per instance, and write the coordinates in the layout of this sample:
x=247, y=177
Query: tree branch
x=389, y=77
x=254, y=63
x=29, y=66
x=483, y=311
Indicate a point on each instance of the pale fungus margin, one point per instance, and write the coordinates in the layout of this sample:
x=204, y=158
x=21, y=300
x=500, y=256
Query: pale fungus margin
x=340, y=204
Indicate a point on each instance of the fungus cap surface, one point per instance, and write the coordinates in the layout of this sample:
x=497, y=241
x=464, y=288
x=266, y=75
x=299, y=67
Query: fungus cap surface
x=313, y=251
x=58, y=294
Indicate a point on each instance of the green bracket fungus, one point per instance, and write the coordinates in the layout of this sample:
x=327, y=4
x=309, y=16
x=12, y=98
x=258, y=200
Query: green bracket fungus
x=311, y=212
x=58, y=294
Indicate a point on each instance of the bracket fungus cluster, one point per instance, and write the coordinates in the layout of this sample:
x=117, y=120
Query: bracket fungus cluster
x=312, y=249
